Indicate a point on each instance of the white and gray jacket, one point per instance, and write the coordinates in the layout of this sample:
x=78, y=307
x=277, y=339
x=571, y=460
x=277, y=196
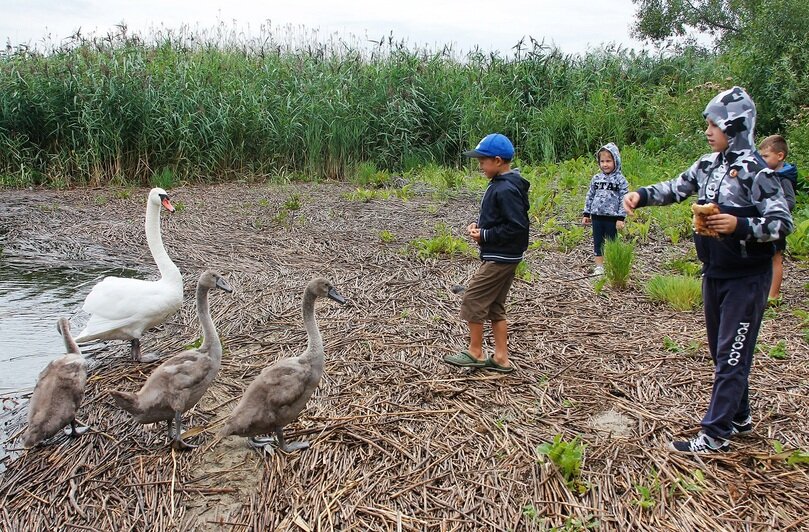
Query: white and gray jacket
x=606, y=194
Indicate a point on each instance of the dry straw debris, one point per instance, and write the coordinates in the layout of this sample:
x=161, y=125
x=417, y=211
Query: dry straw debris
x=400, y=441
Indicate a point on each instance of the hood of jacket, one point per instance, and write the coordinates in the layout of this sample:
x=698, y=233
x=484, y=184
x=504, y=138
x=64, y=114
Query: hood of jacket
x=514, y=177
x=790, y=172
x=735, y=113
x=616, y=156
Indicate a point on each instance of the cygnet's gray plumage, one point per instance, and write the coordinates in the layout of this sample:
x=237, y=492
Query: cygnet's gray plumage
x=58, y=393
x=179, y=382
x=276, y=397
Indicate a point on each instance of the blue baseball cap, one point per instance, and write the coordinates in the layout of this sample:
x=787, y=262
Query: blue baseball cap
x=493, y=145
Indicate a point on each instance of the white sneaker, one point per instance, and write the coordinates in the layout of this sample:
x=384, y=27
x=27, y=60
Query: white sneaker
x=599, y=270
x=700, y=444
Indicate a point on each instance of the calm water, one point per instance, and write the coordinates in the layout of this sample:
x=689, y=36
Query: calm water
x=32, y=299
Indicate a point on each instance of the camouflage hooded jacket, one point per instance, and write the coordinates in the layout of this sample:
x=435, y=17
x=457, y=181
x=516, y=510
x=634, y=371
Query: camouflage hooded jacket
x=606, y=194
x=739, y=182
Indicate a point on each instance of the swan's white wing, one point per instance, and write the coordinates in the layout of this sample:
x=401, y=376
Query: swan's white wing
x=128, y=306
x=116, y=298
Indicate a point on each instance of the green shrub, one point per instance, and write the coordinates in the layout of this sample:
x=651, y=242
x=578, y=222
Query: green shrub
x=443, y=243
x=386, y=236
x=681, y=292
x=567, y=456
x=165, y=179
x=684, y=266
x=570, y=238
x=523, y=272
x=293, y=202
x=798, y=240
x=618, y=257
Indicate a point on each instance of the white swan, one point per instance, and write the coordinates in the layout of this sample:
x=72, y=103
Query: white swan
x=179, y=382
x=121, y=309
x=58, y=394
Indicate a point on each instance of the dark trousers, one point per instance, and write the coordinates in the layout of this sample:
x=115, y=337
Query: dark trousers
x=733, y=312
x=603, y=228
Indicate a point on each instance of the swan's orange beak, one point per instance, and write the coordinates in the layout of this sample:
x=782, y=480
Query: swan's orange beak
x=167, y=204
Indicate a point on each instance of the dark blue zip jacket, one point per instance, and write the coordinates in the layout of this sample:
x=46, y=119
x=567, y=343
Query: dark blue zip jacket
x=788, y=175
x=503, y=218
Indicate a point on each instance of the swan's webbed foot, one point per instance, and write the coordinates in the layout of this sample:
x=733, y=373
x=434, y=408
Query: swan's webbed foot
x=295, y=446
x=181, y=445
x=178, y=444
x=73, y=431
x=260, y=442
x=289, y=447
x=149, y=357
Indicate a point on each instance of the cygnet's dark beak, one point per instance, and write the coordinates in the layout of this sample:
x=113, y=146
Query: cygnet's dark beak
x=335, y=295
x=223, y=285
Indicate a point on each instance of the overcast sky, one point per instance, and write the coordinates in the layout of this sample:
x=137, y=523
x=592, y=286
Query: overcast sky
x=573, y=25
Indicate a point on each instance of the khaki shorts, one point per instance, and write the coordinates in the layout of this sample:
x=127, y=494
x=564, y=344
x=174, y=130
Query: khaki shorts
x=485, y=297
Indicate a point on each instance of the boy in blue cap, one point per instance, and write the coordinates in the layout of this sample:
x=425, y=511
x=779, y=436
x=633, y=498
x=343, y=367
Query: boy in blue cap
x=502, y=234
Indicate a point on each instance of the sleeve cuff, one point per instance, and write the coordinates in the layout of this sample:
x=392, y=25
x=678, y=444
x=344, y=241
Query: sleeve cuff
x=644, y=197
x=742, y=228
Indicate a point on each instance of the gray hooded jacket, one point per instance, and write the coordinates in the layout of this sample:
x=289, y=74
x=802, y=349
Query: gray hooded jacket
x=606, y=194
x=738, y=181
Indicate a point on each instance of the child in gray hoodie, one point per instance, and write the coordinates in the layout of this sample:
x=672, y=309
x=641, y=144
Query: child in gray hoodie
x=604, y=207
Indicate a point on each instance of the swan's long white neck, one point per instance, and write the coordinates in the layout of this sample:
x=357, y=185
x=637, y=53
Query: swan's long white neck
x=314, y=348
x=167, y=268
x=210, y=339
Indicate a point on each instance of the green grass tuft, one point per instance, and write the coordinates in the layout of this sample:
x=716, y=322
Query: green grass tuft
x=681, y=292
x=618, y=257
x=443, y=243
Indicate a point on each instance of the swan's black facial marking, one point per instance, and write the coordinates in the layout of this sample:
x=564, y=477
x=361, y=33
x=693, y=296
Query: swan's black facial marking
x=164, y=200
x=335, y=295
x=223, y=285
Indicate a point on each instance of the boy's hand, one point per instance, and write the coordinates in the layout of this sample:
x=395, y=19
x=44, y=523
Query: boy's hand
x=475, y=234
x=722, y=223
x=620, y=225
x=471, y=227
x=585, y=220
x=631, y=202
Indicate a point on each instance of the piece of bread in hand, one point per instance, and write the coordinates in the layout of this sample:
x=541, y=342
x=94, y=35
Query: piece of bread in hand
x=701, y=213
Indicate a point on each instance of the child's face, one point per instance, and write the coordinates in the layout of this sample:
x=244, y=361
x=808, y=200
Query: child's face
x=606, y=162
x=774, y=159
x=491, y=166
x=717, y=139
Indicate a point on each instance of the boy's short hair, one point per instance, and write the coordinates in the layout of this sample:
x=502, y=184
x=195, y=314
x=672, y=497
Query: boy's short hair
x=775, y=143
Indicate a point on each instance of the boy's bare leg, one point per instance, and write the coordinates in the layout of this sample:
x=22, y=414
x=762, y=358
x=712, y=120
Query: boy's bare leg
x=476, y=341
x=777, y=274
x=500, y=330
x=599, y=261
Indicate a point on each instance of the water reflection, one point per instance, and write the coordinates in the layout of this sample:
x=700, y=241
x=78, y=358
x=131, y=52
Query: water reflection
x=32, y=298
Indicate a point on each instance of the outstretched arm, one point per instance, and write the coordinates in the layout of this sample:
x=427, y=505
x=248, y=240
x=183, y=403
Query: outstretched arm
x=671, y=191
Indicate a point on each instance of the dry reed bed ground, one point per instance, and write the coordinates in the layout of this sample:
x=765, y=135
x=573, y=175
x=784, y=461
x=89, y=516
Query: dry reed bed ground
x=400, y=441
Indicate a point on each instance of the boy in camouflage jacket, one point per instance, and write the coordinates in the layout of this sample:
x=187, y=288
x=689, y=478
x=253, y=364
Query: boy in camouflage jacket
x=737, y=266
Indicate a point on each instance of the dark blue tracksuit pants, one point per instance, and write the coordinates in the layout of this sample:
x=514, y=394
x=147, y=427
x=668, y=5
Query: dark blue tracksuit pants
x=733, y=312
